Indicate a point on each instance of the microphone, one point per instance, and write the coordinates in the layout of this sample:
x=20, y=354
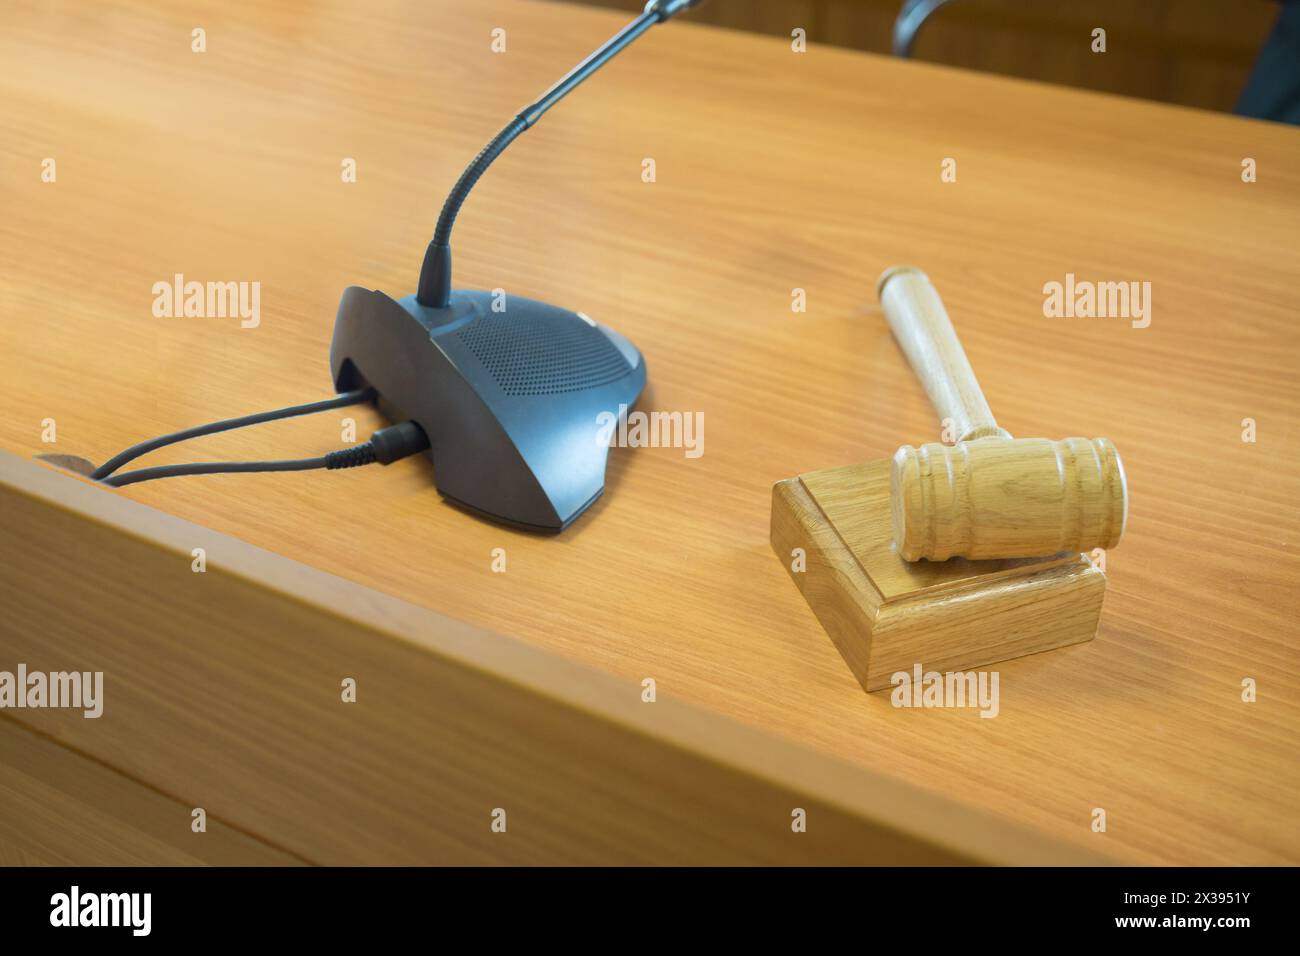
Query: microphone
x=518, y=398
x=435, y=275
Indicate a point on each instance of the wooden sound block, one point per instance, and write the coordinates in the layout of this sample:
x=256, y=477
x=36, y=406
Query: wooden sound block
x=885, y=614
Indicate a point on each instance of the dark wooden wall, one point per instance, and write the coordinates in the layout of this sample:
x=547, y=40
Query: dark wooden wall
x=1193, y=52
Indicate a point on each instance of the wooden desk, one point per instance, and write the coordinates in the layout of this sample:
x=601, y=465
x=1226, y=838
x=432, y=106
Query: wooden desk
x=522, y=690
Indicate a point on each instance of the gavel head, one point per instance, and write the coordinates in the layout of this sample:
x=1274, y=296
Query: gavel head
x=1007, y=498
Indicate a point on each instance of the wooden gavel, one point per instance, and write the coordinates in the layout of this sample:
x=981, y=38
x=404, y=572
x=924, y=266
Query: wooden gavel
x=989, y=495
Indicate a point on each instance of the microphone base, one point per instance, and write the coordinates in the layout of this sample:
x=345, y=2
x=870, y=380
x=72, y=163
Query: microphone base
x=518, y=397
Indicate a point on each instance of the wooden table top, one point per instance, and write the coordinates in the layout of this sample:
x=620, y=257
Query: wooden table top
x=775, y=171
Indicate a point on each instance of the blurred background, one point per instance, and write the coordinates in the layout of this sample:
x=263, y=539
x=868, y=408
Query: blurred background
x=1241, y=55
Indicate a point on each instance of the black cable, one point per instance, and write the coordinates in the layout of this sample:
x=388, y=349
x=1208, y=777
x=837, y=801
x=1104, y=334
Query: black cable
x=211, y=468
x=144, y=447
x=386, y=446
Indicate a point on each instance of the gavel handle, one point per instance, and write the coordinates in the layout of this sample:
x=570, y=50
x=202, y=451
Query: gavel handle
x=925, y=333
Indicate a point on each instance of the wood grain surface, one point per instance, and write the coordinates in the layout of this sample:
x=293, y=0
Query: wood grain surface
x=62, y=808
x=775, y=172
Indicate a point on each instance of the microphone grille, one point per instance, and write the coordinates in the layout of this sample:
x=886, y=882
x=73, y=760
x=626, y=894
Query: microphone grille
x=542, y=354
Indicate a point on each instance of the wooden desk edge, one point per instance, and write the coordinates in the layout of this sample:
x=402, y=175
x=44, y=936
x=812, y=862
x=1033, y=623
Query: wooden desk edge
x=875, y=819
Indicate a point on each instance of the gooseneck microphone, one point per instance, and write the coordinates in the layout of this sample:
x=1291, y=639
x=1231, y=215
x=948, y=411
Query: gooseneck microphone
x=435, y=275
x=515, y=400
x=518, y=398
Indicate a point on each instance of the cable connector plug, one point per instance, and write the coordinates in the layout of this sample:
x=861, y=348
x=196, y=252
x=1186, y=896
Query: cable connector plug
x=350, y=457
x=398, y=441
x=386, y=446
